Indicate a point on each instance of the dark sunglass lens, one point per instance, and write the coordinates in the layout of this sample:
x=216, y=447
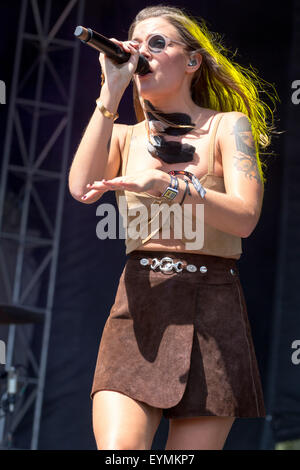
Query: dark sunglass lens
x=157, y=43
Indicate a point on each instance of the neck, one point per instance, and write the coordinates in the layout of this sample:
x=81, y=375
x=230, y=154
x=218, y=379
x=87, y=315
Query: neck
x=181, y=104
x=174, y=106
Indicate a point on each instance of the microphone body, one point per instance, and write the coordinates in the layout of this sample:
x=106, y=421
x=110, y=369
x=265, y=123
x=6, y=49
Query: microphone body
x=112, y=50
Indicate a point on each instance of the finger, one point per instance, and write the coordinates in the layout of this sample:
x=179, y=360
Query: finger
x=105, y=187
x=102, y=55
x=96, y=185
x=91, y=193
x=119, y=43
x=117, y=179
x=134, y=57
x=131, y=46
x=115, y=40
x=134, y=51
x=117, y=184
x=134, y=43
x=128, y=48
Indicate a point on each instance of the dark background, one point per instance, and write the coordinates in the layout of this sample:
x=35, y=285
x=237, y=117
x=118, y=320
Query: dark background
x=89, y=269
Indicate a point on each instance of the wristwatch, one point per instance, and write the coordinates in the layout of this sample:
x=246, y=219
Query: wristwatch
x=172, y=190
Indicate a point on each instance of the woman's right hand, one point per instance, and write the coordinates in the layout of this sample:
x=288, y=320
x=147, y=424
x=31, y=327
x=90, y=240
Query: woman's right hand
x=119, y=75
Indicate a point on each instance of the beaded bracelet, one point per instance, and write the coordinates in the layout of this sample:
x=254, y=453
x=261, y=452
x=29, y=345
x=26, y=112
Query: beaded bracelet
x=197, y=185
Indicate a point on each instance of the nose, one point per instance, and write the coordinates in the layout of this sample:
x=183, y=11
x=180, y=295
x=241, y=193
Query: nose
x=144, y=50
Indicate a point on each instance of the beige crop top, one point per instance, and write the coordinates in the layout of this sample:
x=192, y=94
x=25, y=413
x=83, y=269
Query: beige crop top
x=215, y=242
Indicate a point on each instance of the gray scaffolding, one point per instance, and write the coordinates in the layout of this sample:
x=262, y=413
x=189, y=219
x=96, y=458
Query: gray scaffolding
x=35, y=165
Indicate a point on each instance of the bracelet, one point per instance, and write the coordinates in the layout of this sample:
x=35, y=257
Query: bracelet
x=172, y=190
x=197, y=185
x=187, y=189
x=105, y=112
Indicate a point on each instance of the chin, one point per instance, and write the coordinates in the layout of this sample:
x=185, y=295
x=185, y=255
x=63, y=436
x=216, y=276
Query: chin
x=147, y=90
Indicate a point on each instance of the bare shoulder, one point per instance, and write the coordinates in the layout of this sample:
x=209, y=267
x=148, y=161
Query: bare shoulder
x=233, y=123
x=238, y=149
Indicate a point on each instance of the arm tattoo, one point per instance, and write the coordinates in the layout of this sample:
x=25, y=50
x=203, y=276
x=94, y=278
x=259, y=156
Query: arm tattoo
x=108, y=145
x=246, y=158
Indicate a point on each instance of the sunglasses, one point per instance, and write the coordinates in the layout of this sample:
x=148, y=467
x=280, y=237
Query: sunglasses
x=157, y=43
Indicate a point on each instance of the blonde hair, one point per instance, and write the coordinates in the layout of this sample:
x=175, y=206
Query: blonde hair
x=220, y=83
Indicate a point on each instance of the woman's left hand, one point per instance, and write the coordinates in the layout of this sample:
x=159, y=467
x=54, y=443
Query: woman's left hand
x=145, y=180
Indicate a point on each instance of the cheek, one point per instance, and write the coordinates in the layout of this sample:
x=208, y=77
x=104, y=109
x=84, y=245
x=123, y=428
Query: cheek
x=168, y=72
x=173, y=67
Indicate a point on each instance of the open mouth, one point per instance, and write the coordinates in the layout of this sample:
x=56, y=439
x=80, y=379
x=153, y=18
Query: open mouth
x=147, y=73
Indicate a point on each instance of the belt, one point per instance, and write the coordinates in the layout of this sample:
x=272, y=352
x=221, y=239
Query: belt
x=166, y=265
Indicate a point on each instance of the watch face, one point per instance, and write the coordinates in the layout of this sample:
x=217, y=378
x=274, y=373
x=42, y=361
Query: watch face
x=170, y=193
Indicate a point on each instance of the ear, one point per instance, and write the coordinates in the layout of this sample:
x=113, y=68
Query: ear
x=193, y=62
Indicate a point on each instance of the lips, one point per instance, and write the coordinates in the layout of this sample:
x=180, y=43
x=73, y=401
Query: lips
x=144, y=75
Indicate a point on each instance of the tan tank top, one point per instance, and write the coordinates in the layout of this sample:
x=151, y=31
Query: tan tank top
x=216, y=242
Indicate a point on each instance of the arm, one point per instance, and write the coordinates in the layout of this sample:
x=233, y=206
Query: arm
x=238, y=210
x=99, y=153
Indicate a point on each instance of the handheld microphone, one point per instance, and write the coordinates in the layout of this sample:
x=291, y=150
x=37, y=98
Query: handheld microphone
x=112, y=50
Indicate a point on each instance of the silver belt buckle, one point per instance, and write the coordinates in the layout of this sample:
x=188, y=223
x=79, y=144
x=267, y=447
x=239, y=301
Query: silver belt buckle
x=168, y=266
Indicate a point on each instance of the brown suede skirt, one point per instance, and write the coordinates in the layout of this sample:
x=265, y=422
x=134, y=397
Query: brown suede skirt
x=181, y=341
